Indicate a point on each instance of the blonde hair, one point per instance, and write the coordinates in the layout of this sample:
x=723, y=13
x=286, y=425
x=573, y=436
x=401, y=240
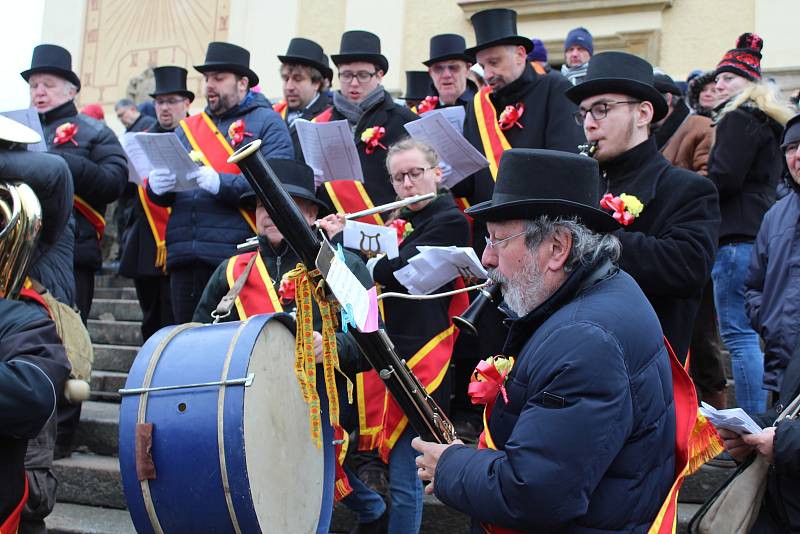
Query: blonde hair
x=763, y=97
x=409, y=143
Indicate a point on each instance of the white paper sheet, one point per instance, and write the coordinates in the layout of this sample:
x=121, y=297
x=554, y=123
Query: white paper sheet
x=433, y=267
x=455, y=115
x=30, y=118
x=148, y=151
x=733, y=419
x=459, y=157
x=348, y=290
x=329, y=149
x=371, y=238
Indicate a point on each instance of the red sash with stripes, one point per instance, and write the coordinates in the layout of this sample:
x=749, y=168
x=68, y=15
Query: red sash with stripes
x=251, y=302
x=205, y=138
x=492, y=137
x=350, y=196
x=94, y=217
x=325, y=116
x=11, y=523
x=281, y=108
x=380, y=419
x=157, y=218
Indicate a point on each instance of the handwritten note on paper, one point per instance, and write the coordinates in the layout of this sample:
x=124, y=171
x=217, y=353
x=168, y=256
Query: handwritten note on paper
x=329, y=149
x=459, y=157
x=148, y=151
x=371, y=239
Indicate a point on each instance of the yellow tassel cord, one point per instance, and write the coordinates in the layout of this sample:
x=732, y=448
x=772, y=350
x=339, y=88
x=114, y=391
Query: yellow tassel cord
x=704, y=444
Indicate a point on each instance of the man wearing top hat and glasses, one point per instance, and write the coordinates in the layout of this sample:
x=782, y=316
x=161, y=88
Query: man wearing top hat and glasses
x=668, y=218
x=144, y=246
x=207, y=223
x=374, y=118
x=304, y=69
x=448, y=65
x=580, y=433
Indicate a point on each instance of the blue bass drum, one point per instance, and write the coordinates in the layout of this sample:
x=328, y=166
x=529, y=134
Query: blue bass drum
x=230, y=450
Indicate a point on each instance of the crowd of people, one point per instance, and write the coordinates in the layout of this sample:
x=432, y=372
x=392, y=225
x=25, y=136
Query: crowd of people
x=639, y=228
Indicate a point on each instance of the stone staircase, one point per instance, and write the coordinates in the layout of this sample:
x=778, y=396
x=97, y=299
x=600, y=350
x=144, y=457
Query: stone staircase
x=90, y=496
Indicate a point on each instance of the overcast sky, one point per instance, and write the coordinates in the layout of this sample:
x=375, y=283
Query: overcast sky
x=22, y=30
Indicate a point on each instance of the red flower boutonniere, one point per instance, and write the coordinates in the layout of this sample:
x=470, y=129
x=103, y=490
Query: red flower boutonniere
x=510, y=116
x=65, y=133
x=286, y=290
x=429, y=104
x=236, y=132
x=625, y=208
x=489, y=378
x=402, y=227
x=372, y=138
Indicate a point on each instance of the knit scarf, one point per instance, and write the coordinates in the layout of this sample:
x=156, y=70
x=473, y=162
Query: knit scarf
x=574, y=74
x=353, y=111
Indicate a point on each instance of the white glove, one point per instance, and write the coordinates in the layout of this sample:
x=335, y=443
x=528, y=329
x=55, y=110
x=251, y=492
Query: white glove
x=207, y=178
x=161, y=181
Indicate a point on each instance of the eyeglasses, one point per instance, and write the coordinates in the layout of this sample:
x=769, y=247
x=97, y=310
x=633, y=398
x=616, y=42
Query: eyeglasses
x=495, y=245
x=168, y=101
x=414, y=173
x=598, y=110
x=362, y=76
x=440, y=68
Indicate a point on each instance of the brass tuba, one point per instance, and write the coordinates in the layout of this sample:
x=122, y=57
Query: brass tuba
x=21, y=220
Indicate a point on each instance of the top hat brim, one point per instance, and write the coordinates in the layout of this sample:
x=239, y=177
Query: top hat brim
x=594, y=218
x=626, y=86
x=508, y=40
x=187, y=94
x=377, y=59
x=249, y=198
x=326, y=71
x=447, y=57
x=62, y=73
x=241, y=70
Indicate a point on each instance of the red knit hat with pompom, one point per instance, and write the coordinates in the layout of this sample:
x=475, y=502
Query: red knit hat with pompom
x=745, y=59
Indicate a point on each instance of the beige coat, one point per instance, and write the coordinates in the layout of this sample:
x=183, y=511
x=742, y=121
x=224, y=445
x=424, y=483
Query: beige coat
x=690, y=145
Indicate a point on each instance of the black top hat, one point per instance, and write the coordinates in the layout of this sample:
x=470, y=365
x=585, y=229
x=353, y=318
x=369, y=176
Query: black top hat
x=495, y=27
x=307, y=52
x=533, y=182
x=171, y=80
x=447, y=46
x=296, y=178
x=619, y=72
x=227, y=57
x=665, y=84
x=418, y=85
x=52, y=59
x=358, y=45
x=328, y=72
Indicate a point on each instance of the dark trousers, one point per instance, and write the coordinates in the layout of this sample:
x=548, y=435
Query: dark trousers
x=153, y=293
x=84, y=290
x=186, y=287
x=706, y=366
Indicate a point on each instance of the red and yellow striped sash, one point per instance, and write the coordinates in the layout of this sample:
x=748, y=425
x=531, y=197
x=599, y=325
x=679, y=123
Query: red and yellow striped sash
x=350, y=196
x=94, y=217
x=492, y=137
x=157, y=218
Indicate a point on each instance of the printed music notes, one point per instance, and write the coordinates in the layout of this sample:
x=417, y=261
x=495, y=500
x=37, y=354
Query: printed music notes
x=148, y=151
x=329, y=149
x=433, y=267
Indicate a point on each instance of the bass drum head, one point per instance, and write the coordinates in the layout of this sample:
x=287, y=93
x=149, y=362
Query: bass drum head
x=284, y=466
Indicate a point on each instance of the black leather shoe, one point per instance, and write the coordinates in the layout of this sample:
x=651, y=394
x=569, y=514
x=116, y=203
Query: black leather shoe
x=379, y=526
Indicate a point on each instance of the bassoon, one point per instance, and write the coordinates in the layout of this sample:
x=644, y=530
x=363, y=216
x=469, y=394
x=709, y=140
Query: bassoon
x=424, y=414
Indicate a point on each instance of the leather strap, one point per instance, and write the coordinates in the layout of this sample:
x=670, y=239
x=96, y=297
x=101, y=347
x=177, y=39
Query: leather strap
x=226, y=304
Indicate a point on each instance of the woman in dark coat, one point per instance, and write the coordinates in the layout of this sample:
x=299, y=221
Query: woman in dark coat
x=414, y=170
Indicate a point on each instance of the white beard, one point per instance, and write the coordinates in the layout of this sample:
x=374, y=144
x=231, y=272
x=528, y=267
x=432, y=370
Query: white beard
x=524, y=291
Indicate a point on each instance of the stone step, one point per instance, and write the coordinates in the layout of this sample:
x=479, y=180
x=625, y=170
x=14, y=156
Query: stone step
x=701, y=485
x=114, y=357
x=98, y=430
x=105, y=384
x=116, y=309
x=89, y=479
x=115, y=332
x=127, y=293
x=68, y=518
x=112, y=280
x=436, y=517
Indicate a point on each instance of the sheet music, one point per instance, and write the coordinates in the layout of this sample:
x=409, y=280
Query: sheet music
x=433, y=267
x=733, y=419
x=329, y=149
x=30, y=118
x=455, y=115
x=459, y=157
x=148, y=151
x=371, y=238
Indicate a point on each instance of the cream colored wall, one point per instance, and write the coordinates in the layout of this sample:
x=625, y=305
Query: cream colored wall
x=776, y=22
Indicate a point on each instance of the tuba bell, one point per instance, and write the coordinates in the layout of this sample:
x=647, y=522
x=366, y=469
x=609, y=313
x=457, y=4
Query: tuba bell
x=20, y=223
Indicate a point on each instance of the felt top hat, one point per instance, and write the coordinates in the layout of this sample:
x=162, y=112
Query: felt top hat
x=447, y=46
x=52, y=59
x=296, y=178
x=171, y=81
x=495, y=27
x=358, y=45
x=665, y=84
x=533, y=182
x=418, y=85
x=227, y=57
x=619, y=72
x=307, y=52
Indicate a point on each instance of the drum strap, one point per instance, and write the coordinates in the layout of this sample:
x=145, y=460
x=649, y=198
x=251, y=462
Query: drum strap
x=226, y=304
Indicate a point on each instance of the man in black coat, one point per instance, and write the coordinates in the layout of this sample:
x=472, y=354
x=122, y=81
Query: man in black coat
x=669, y=217
x=374, y=118
x=448, y=66
x=95, y=158
x=131, y=118
x=144, y=248
x=304, y=68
